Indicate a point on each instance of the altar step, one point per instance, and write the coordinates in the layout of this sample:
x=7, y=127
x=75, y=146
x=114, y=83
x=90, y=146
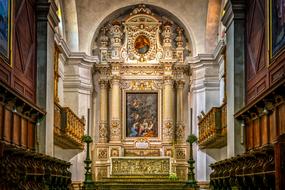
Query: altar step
x=137, y=183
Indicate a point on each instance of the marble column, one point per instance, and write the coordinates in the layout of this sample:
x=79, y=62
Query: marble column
x=103, y=125
x=180, y=126
x=115, y=127
x=168, y=110
x=234, y=20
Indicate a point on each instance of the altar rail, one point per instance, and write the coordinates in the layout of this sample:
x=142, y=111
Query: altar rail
x=213, y=128
x=68, y=128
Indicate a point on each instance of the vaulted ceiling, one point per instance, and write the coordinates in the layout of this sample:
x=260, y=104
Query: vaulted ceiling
x=200, y=19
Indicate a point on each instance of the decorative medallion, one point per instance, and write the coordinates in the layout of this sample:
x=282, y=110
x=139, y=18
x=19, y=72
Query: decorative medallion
x=141, y=37
x=142, y=44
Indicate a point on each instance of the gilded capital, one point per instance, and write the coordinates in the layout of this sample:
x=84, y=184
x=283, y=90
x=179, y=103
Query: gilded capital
x=115, y=80
x=180, y=83
x=168, y=80
x=103, y=84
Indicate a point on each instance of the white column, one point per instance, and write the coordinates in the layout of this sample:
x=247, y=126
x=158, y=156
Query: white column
x=103, y=125
x=180, y=126
x=168, y=110
x=115, y=127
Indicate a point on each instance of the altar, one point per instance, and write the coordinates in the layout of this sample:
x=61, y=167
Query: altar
x=144, y=166
x=141, y=86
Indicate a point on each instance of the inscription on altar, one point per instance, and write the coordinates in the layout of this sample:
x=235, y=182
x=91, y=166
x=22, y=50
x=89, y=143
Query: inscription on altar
x=141, y=144
x=140, y=166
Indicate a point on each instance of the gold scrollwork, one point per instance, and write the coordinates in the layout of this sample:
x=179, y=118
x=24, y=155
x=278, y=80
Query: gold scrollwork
x=140, y=166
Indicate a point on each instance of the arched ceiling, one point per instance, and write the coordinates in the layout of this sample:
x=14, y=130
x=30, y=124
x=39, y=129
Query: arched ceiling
x=161, y=14
x=84, y=17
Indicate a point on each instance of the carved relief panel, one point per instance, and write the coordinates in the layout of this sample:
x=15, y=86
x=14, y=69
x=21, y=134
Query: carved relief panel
x=141, y=37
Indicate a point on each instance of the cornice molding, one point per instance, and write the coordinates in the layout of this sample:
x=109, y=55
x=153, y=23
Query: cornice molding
x=42, y=8
x=202, y=60
x=74, y=57
x=52, y=15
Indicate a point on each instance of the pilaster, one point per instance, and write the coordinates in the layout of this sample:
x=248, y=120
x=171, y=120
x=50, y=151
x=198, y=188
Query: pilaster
x=168, y=110
x=103, y=125
x=115, y=126
x=45, y=72
x=234, y=20
x=180, y=125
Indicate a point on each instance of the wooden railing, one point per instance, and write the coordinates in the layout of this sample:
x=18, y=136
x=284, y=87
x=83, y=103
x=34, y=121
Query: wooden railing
x=18, y=119
x=213, y=128
x=251, y=170
x=24, y=169
x=21, y=167
x=68, y=128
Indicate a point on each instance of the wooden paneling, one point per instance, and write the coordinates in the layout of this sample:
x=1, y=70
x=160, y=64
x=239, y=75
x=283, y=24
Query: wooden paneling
x=18, y=119
x=251, y=170
x=281, y=118
x=31, y=135
x=279, y=162
x=264, y=130
x=16, y=129
x=261, y=73
x=257, y=80
x=249, y=137
x=265, y=127
x=7, y=125
x=21, y=169
x=21, y=74
x=24, y=52
x=256, y=134
x=272, y=127
x=24, y=133
x=5, y=72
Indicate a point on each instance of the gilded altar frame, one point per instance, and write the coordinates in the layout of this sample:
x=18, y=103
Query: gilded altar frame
x=124, y=116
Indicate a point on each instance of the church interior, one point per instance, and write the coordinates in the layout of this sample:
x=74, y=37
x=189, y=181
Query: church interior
x=142, y=94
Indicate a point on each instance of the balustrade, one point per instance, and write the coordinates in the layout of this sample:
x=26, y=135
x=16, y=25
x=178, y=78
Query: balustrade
x=213, y=128
x=68, y=128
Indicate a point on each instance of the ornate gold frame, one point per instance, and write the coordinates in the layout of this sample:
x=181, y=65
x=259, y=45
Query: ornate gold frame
x=8, y=58
x=159, y=115
x=282, y=49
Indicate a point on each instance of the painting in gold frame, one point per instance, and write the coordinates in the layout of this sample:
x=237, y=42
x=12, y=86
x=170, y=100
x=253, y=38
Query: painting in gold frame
x=277, y=27
x=5, y=30
x=142, y=114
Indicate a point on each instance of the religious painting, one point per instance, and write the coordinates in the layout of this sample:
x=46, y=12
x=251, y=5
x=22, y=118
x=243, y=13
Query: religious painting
x=142, y=44
x=142, y=115
x=277, y=26
x=4, y=28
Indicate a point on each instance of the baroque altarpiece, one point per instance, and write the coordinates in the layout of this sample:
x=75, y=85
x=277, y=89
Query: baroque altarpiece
x=142, y=85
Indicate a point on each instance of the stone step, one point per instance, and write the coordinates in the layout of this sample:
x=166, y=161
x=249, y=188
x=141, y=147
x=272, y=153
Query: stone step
x=140, y=184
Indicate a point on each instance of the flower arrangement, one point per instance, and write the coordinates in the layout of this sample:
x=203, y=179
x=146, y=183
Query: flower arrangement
x=172, y=176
